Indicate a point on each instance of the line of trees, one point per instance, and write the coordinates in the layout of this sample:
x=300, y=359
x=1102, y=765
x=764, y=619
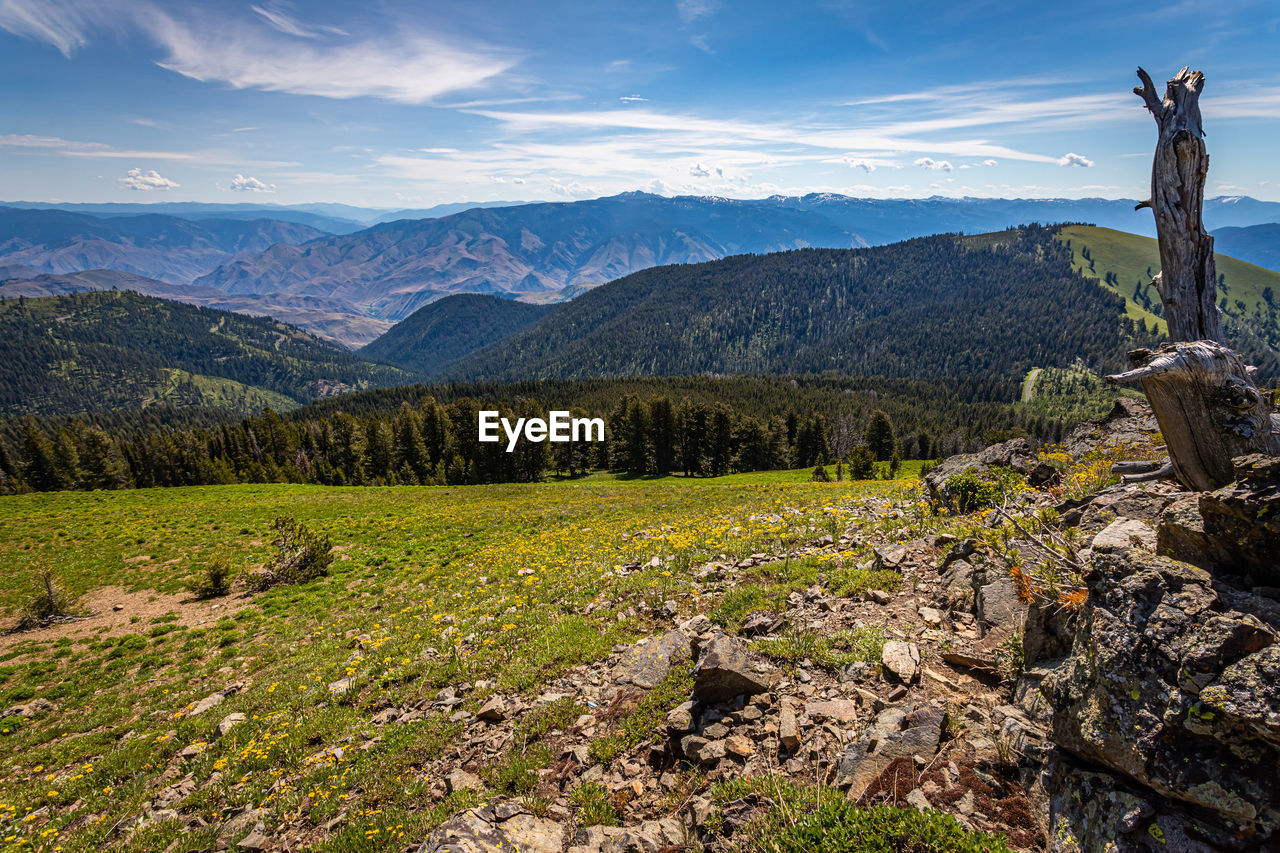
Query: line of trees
x=437, y=443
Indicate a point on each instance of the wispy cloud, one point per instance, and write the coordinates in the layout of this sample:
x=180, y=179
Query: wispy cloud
x=272, y=50
x=136, y=179
x=411, y=68
x=66, y=26
x=278, y=16
x=693, y=10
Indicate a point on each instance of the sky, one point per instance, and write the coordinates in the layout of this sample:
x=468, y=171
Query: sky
x=395, y=104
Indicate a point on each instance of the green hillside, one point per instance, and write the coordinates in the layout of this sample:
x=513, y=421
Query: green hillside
x=90, y=352
x=1132, y=260
x=436, y=335
x=932, y=308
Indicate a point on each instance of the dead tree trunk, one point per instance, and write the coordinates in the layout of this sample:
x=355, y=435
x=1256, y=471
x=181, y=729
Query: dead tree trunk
x=1203, y=396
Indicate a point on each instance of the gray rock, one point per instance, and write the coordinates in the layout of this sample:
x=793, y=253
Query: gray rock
x=725, y=671
x=229, y=722
x=501, y=827
x=1171, y=686
x=1125, y=533
x=648, y=662
x=901, y=659
x=998, y=604
x=493, y=711
x=788, y=730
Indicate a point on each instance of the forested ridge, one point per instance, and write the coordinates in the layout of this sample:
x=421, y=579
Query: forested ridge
x=96, y=351
x=942, y=307
x=437, y=335
x=427, y=434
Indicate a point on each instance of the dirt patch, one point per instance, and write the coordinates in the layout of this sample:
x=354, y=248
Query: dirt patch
x=105, y=620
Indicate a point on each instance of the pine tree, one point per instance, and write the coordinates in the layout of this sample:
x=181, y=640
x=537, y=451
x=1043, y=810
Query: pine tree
x=880, y=435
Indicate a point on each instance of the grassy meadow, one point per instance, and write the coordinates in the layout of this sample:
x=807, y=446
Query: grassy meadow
x=431, y=586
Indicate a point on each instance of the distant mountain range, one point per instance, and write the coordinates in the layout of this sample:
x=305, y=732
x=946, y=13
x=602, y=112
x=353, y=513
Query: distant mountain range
x=982, y=306
x=354, y=283
x=169, y=248
x=1257, y=244
x=333, y=320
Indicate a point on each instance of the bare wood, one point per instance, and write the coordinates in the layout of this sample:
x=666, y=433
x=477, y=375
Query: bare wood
x=1203, y=396
x=1136, y=466
x=1208, y=408
x=1187, y=282
x=1165, y=471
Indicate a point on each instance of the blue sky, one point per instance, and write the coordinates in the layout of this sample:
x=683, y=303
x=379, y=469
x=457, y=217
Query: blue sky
x=399, y=104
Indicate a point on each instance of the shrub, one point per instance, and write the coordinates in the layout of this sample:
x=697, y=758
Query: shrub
x=47, y=600
x=971, y=491
x=302, y=555
x=215, y=578
x=595, y=805
x=820, y=475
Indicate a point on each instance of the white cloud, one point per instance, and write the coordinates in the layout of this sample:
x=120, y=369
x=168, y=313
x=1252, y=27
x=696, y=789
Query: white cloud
x=692, y=10
x=276, y=15
x=241, y=184
x=272, y=50
x=858, y=163
x=409, y=68
x=697, y=170
x=136, y=179
x=1070, y=159
x=990, y=163
x=632, y=99
x=65, y=26
x=934, y=165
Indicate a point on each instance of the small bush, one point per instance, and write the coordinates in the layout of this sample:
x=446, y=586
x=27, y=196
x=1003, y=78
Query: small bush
x=820, y=475
x=302, y=555
x=516, y=772
x=971, y=491
x=46, y=602
x=643, y=723
x=595, y=805
x=215, y=578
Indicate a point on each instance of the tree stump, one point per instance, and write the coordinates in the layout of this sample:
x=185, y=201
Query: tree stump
x=1202, y=394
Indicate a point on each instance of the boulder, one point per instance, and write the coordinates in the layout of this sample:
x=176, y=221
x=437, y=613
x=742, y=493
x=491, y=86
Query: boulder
x=649, y=661
x=998, y=604
x=1173, y=681
x=500, y=827
x=725, y=671
x=1243, y=519
x=901, y=659
x=915, y=730
x=1125, y=533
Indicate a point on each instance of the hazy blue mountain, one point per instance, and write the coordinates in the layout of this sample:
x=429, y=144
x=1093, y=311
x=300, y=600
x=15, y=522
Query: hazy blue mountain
x=1257, y=244
x=532, y=250
x=329, y=218
x=154, y=245
x=335, y=320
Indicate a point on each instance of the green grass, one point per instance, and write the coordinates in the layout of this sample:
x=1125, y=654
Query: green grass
x=818, y=819
x=1129, y=256
x=445, y=584
x=909, y=470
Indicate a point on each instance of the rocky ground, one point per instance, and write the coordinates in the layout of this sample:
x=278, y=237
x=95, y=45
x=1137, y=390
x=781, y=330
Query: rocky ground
x=1142, y=715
